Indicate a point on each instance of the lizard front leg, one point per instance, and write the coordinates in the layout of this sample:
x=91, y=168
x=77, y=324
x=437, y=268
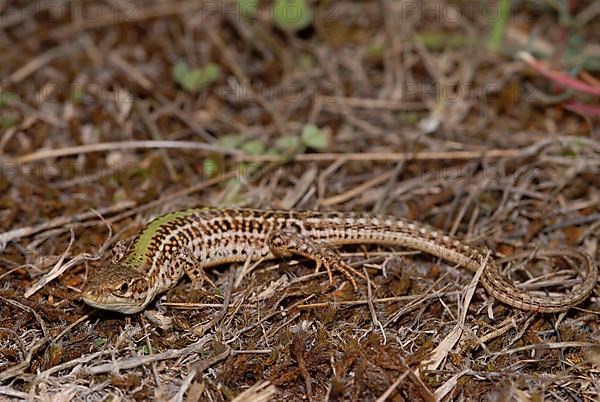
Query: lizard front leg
x=192, y=268
x=286, y=243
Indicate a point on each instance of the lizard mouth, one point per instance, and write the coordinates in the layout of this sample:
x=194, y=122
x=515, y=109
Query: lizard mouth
x=111, y=303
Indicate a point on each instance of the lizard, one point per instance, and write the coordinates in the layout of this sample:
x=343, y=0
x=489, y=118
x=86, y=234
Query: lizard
x=188, y=241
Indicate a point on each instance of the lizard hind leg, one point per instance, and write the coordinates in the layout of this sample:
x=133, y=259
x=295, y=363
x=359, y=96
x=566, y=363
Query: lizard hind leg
x=287, y=243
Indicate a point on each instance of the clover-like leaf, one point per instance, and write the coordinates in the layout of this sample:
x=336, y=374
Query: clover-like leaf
x=292, y=15
x=193, y=80
x=248, y=9
x=314, y=137
x=253, y=147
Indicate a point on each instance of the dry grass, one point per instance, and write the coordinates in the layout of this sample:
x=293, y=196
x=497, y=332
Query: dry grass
x=425, y=122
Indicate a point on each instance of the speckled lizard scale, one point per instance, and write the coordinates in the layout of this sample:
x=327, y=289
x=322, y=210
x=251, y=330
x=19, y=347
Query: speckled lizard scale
x=191, y=240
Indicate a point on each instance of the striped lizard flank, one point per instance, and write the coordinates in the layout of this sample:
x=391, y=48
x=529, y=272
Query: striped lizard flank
x=186, y=242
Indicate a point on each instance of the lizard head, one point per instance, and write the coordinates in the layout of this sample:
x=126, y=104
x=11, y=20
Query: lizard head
x=117, y=287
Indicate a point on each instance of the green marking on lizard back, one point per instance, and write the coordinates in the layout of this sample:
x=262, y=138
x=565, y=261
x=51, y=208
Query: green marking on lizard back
x=140, y=248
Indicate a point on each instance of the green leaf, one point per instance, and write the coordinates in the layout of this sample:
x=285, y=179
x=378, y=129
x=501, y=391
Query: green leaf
x=253, y=147
x=437, y=40
x=314, y=137
x=99, y=342
x=248, y=169
x=272, y=151
x=210, y=73
x=288, y=143
x=248, y=9
x=182, y=75
x=292, y=15
x=499, y=25
x=193, y=80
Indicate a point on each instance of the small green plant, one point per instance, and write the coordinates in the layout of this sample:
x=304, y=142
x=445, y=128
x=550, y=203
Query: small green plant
x=253, y=147
x=194, y=79
x=314, y=137
x=499, y=26
x=288, y=143
x=99, y=342
x=292, y=15
x=248, y=8
x=143, y=348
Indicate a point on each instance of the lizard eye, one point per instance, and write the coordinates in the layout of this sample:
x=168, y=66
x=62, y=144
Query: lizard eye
x=124, y=287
